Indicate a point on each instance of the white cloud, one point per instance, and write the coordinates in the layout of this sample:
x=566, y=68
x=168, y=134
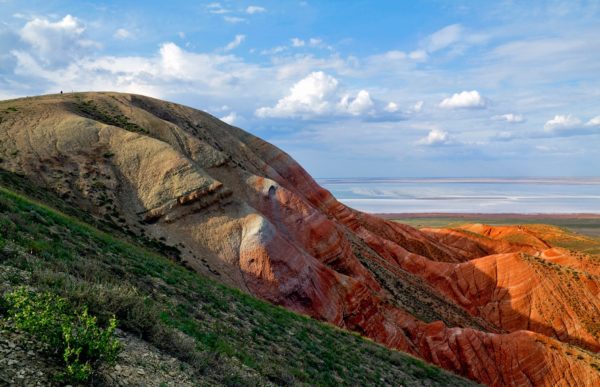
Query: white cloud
x=464, y=100
x=298, y=65
x=230, y=118
x=435, y=137
x=171, y=71
x=252, y=9
x=453, y=38
x=568, y=125
x=593, y=122
x=391, y=107
x=318, y=95
x=122, y=34
x=297, y=42
x=444, y=37
x=308, y=97
x=235, y=42
x=233, y=19
x=389, y=56
x=562, y=122
x=56, y=42
x=393, y=62
x=360, y=105
x=509, y=117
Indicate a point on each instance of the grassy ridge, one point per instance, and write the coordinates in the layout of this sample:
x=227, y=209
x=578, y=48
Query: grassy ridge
x=226, y=336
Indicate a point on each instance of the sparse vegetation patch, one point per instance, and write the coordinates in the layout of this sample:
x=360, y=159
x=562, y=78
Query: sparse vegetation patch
x=72, y=334
x=91, y=109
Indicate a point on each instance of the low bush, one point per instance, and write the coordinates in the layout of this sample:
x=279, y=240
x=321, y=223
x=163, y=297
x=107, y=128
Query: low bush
x=72, y=334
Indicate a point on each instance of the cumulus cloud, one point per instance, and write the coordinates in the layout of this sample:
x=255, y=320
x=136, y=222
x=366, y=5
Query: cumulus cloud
x=509, y=117
x=122, y=34
x=230, y=118
x=561, y=125
x=56, y=42
x=594, y=121
x=308, y=97
x=391, y=107
x=252, y=9
x=562, y=122
x=318, y=94
x=360, y=105
x=569, y=125
x=435, y=137
x=235, y=42
x=464, y=100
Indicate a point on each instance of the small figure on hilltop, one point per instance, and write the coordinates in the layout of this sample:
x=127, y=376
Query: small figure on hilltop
x=61, y=91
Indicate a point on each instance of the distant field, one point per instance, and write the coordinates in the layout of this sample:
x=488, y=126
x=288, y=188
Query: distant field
x=581, y=224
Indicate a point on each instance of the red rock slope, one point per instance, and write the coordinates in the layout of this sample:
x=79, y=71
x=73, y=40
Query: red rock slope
x=243, y=211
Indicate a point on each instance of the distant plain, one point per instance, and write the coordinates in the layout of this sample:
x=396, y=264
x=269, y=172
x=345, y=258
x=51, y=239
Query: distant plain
x=583, y=224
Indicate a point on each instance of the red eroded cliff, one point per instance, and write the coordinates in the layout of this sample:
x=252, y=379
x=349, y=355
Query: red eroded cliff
x=509, y=276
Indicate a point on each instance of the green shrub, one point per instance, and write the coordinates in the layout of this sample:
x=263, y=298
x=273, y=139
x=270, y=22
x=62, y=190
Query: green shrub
x=72, y=333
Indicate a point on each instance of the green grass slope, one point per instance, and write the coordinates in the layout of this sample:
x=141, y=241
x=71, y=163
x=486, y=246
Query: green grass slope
x=226, y=336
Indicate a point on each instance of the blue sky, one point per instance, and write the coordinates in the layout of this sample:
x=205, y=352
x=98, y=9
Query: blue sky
x=348, y=88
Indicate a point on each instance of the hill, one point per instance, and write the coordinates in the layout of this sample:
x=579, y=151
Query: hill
x=189, y=329
x=501, y=307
